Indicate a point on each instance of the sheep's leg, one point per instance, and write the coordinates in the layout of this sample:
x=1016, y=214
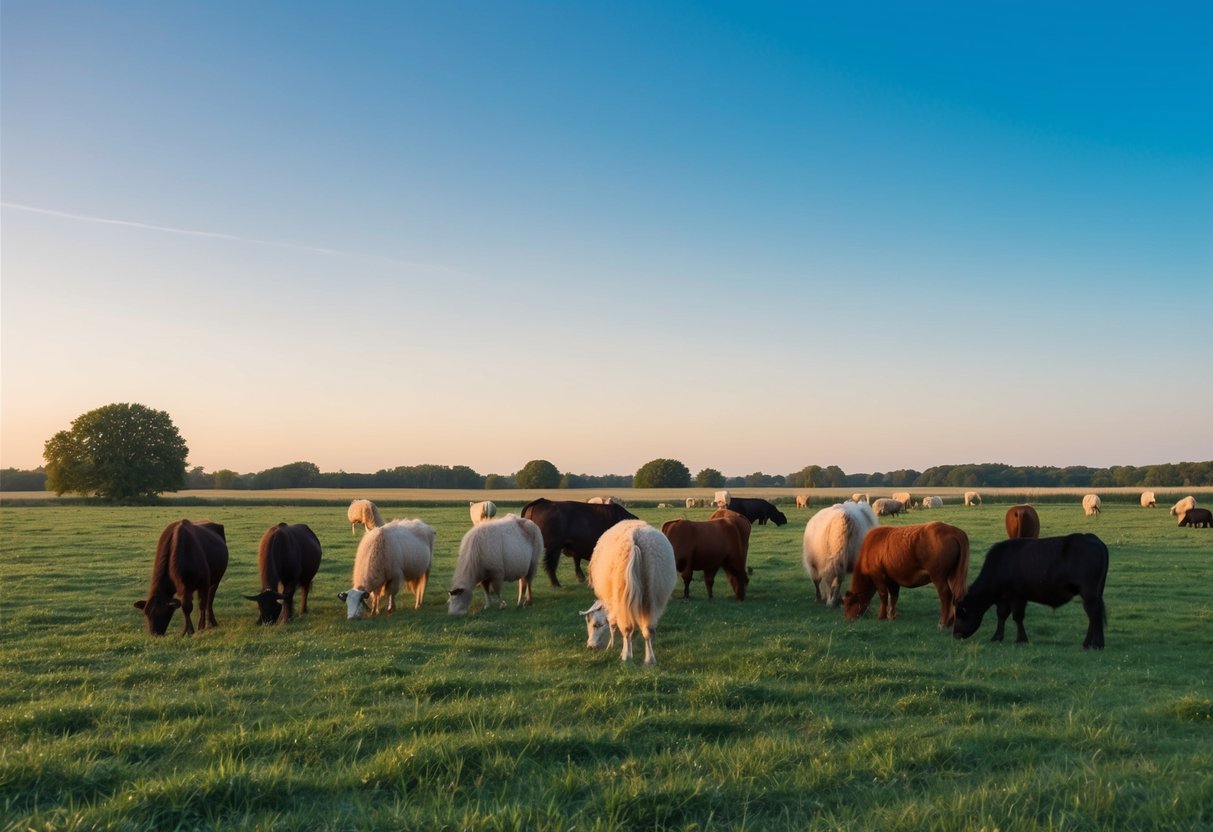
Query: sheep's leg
x=650, y=657
x=419, y=591
x=496, y=586
x=626, y=655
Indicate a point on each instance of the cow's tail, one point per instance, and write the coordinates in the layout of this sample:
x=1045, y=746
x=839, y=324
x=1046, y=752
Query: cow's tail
x=958, y=582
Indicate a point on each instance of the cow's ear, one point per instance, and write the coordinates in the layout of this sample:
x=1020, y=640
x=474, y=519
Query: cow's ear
x=141, y=604
x=343, y=595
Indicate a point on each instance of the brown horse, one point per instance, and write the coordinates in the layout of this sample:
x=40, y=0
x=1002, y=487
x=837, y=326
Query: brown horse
x=895, y=556
x=1022, y=521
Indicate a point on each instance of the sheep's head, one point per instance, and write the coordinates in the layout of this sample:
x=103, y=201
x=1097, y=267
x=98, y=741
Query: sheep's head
x=598, y=626
x=458, y=601
x=357, y=603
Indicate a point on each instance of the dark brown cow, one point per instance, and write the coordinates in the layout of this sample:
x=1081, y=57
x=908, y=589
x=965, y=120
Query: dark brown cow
x=289, y=558
x=757, y=510
x=191, y=556
x=571, y=527
x=1197, y=518
x=722, y=542
x=895, y=556
x=1051, y=570
x=1022, y=521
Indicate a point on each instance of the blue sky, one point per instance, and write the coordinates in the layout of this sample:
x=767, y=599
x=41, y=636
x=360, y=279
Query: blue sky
x=749, y=236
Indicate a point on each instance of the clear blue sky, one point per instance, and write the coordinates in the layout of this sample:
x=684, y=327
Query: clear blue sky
x=750, y=236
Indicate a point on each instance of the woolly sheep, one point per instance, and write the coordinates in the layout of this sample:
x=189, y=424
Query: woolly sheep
x=860, y=498
x=484, y=510
x=721, y=499
x=888, y=507
x=1090, y=505
x=932, y=502
x=904, y=498
x=491, y=553
x=605, y=501
x=1148, y=500
x=363, y=512
x=831, y=546
x=692, y=502
x=632, y=572
x=399, y=552
x=972, y=498
x=1183, y=505
x=802, y=501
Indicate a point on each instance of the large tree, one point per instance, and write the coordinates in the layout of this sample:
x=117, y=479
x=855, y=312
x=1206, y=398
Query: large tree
x=538, y=473
x=119, y=452
x=662, y=473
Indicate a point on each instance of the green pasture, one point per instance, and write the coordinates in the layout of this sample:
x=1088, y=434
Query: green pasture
x=769, y=714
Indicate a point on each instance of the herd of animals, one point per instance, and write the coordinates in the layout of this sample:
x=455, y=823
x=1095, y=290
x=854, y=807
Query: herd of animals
x=634, y=567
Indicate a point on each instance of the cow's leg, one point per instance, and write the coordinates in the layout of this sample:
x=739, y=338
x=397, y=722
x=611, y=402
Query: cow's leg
x=1021, y=635
x=883, y=592
x=1095, y=612
x=288, y=604
x=187, y=608
x=305, y=589
x=686, y=585
x=709, y=579
x=550, y=559
x=1004, y=610
x=577, y=569
x=893, y=590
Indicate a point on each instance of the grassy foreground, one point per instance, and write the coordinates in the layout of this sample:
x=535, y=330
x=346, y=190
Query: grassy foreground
x=769, y=714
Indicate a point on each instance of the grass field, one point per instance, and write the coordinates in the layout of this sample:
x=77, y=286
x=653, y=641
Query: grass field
x=768, y=714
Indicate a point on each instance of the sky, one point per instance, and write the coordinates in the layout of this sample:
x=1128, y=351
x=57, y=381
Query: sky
x=750, y=236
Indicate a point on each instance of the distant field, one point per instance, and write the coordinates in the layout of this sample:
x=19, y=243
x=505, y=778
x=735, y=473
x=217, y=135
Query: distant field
x=771, y=714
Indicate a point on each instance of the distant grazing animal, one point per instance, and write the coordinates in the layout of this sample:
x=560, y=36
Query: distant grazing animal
x=1197, y=518
x=484, y=510
x=721, y=499
x=1022, y=521
x=690, y=502
x=1049, y=570
x=633, y=574
x=1183, y=505
x=904, y=498
x=572, y=527
x=892, y=557
x=757, y=510
x=831, y=546
x=860, y=498
x=288, y=558
x=1091, y=505
x=191, y=556
x=398, y=553
x=885, y=507
x=972, y=498
x=1148, y=500
x=932, y=502
x=710, y=545
x=492, y=553
x=802, y=501
x=606, y=501
x=363, y=512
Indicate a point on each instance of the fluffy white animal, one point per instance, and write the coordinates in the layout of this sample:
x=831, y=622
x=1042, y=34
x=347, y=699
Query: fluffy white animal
x=605, y=501
x=1148, y=500
x=831, y=546
x=484, y=510
x=1183, y=505
x=491, y=553
x=972, y=498
x=692, y=502
x=887, y=507
x=802, y=501
x=721, y=499
x=932, y=502
x=632, y=572
x=364, y=513
x=903, y=497
x=860, y=498
x=1090, y=505
x=395, y=554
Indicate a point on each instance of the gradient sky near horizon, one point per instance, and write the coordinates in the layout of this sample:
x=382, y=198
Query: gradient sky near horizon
x=750, y=236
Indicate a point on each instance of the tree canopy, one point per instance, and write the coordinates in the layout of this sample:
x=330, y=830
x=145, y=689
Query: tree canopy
x=119, y=452
x=662, y=473
x=538, y=473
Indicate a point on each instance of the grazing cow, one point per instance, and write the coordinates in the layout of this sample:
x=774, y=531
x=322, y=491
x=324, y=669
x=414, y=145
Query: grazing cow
x=709, y=545
x=191, y=556
x=1022, y=521
x=802, y=501
x=885, y=507
x=757, y=510
x=1197, y=518
x=892, y=557
x=1049, y=570
x=289, y=557
x=831, y=546
x=572, y=527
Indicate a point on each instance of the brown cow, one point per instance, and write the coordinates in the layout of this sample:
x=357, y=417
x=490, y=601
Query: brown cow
x=190, y=557
x=1022, y=521
x=722, y=542
x=895, y=556
x=289, y=557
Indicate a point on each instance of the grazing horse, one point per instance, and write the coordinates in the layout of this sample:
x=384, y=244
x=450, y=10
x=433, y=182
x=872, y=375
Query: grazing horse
x=190, y=557
x=895, y=556
x=708, y=545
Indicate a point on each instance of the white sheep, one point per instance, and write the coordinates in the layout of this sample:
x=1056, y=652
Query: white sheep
x=721, y=499
x=632, y=572
x=605, y=501
x=932, y=502
x=903, y=497
x=802, y=501
x=860, y=497
x=397, y=553
x=364, y=513
x=1090, y=505
x=972, y=498
x=492, y=553
x=887, y=507
x=1183, y=505
x=692, y=502
x=484, y=510
x=831, y=545
x=1148, y=500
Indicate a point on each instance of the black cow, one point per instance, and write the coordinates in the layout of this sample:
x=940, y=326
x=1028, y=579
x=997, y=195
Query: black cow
x=757, y=510
x=572, y=527
x=1196, y=518
x=289, y=557
x=190, y=557
x=1047, y=570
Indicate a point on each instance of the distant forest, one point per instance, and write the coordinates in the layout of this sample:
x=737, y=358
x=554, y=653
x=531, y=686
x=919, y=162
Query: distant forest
x=985, y=475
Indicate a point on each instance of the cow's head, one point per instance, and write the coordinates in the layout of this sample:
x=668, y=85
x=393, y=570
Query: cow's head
x=357, y=603
x=269, y=603
x=968, y=619
x=597, y=624
x=739, y=583
x=158, y=612
x=778, y=517
x=854, y=605
x=458, y=600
